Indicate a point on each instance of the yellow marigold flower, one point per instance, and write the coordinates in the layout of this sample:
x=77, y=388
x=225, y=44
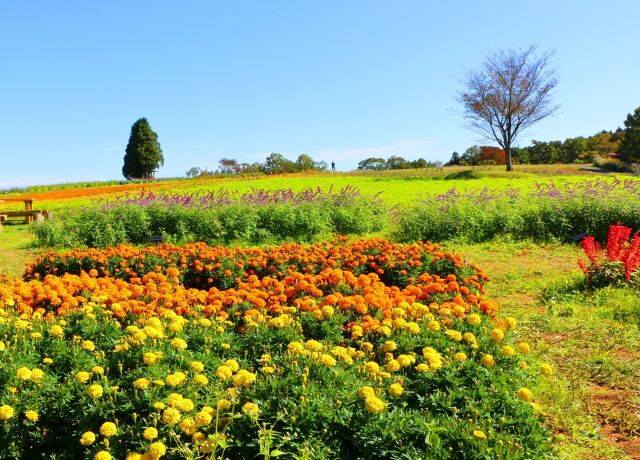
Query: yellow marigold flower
x=328, y=311
x=56, y=331
x=474, y=319
x=150, y=434
x=174, y=399
x=454, y=335
x=150, y=358
x=469, y=337
x=98, y=370
x=102, y=455
x=525, y=394
x=460, y=356
x=46, y=361
x=393, y=366
x=232, y=364
x=95, y=391
x=176, y=379
x=83, y=376
x=224, y=372
x=367, y=347
x=6, y=412
x=225, y=346
x=24, y=373
x=188, y=426
x=374, y=405
x=223, y=404
x=31, y=415
x=546, y=369
x=523, y=365
x=37, y=374
x=157, y=450
x=487, y=360
x=405, y=360
x=327, y=360
x=433, y=326
x=159, y=405
x=384, y=330
x=399, y=323
x=171, y=416
x=141, y=384
x=371, y=367
x=251, y=409
x=295, y=348
x=202, y=418
x=479, y=434
x=497, y=335
x=108, y=429
x=87, y=438
x=366, y=392
x=88, y=345
x=133, y=456
x=389, y=346
x=198, y=436
x=511, y=322
x=412, y=327
x=244, y=378
x=524, y=347
x=197, y=366
x=201, y=380
x=186, y=405
x=265, y=358
x=422, y=367
x=508, y=350
x=178, y=344
x=396, y=390
x=268, y=369
x=313, y=345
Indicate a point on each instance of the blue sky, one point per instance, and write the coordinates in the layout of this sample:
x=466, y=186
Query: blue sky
x=338, y=80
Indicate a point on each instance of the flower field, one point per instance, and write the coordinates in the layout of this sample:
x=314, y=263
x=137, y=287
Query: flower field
x=341, y=349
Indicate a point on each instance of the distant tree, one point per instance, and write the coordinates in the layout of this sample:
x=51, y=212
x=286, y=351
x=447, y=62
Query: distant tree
x=278, y=164
x=630, y=145
x=511, y=93
x=143, y=154
x=395, y=162
x=492, y=154
x=305, y=163
x=418, y=164
x=194, y=172
x=471, y=156
x=320, y=165
x=372, y=164
x=575, y=149
x=544, y=152
x=228, y=166
x=454, y=160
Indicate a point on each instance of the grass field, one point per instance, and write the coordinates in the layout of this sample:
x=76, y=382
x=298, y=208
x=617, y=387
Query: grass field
x=591, y=338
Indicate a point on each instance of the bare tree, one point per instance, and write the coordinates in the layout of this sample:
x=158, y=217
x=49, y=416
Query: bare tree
x=512, y=92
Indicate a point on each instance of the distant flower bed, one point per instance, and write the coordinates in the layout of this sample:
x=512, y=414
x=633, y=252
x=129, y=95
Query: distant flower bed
x=547, y=211
x=219, y=217
x=337, y=350
x=225, y=197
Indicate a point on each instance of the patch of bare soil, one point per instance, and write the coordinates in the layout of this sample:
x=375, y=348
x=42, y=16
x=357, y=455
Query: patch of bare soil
x=618, y=412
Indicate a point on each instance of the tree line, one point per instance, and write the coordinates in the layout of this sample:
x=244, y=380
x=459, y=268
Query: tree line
x=275, y=163
x=572, y=150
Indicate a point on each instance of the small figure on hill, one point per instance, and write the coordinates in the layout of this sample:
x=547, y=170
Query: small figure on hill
x=333, y=166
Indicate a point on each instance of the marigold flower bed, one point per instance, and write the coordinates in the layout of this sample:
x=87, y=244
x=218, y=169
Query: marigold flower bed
x=340, y=349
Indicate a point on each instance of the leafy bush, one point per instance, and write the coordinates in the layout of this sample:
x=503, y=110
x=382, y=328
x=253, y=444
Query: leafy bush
x=617, y=263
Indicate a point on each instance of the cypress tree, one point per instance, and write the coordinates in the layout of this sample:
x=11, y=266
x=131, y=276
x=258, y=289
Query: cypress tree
x=143, y=154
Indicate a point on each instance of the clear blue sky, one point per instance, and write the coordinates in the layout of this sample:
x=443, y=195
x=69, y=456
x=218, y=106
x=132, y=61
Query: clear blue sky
x=338, y=80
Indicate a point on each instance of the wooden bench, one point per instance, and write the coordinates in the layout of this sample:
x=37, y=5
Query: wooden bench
x=29, y=212
x=38, y=214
